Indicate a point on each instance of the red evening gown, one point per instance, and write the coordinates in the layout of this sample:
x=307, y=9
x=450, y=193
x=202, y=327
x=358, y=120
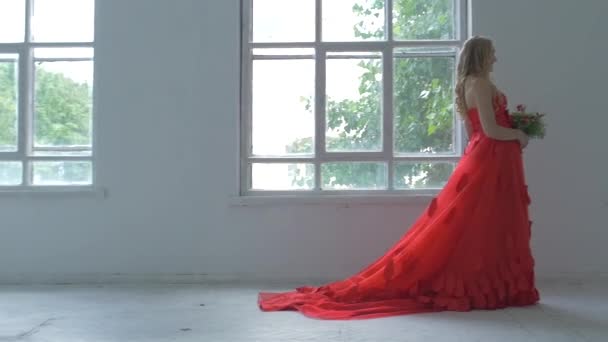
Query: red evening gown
x=469, y=249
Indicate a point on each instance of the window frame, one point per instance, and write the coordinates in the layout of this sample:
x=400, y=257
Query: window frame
x=26, y=107
x=386, y=47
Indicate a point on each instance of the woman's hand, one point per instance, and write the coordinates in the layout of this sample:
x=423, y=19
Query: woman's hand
x=522, y=138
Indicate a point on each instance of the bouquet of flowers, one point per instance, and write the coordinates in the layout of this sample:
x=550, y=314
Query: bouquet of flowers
x=531, y=123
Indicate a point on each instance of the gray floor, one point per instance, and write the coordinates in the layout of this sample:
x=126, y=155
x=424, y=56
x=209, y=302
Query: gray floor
x=570, y=311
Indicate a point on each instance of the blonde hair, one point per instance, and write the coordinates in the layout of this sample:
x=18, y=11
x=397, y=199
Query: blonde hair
x=474, y=61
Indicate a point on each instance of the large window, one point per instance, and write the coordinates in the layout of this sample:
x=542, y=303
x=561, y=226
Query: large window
x=349, y=96
x=46, y=93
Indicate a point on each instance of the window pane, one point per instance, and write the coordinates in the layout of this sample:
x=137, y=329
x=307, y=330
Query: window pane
x=354, y=102
x=423, y=19
x=282, y=107
x=10, y=173
x=350, y=20
x=63, y=104
x=8, y=102
x=63, y=20
x=62, y=173
x=12, y=21
x=63, y=52
x=283, y=21
x=354, y=176
x=423, y=101
x=282, y=176
x=410, y=175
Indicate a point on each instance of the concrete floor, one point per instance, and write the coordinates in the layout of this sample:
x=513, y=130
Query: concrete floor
x=570, y=311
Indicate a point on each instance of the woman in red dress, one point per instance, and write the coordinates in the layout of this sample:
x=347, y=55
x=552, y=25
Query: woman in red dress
x=470, y=248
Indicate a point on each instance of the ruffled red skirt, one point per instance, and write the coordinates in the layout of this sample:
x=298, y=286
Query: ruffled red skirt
x=470, y=249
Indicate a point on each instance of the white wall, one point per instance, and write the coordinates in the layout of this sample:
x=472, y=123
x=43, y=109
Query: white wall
x=168, y=85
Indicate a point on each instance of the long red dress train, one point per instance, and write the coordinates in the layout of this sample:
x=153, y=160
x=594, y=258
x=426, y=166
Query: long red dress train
x=470, y=249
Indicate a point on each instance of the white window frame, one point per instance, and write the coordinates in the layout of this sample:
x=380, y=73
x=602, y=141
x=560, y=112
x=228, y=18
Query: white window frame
x=386, y=47
x=25, y=126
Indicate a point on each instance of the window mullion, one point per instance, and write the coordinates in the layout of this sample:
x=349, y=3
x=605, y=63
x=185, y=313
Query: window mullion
x=318, y=21
x=353, y=156
x=389, y=20
x=27, y=114
x=462, y=18
x=29, y=12
x=25, y=122
x=430, y=158
x=355, y=45
x=22, y=104
x=461, y=8
x=320, y=112
x=387, y=110
x=59, y=158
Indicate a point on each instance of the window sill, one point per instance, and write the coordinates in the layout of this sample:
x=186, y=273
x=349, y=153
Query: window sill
x=332, y=200
x=54, y=192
